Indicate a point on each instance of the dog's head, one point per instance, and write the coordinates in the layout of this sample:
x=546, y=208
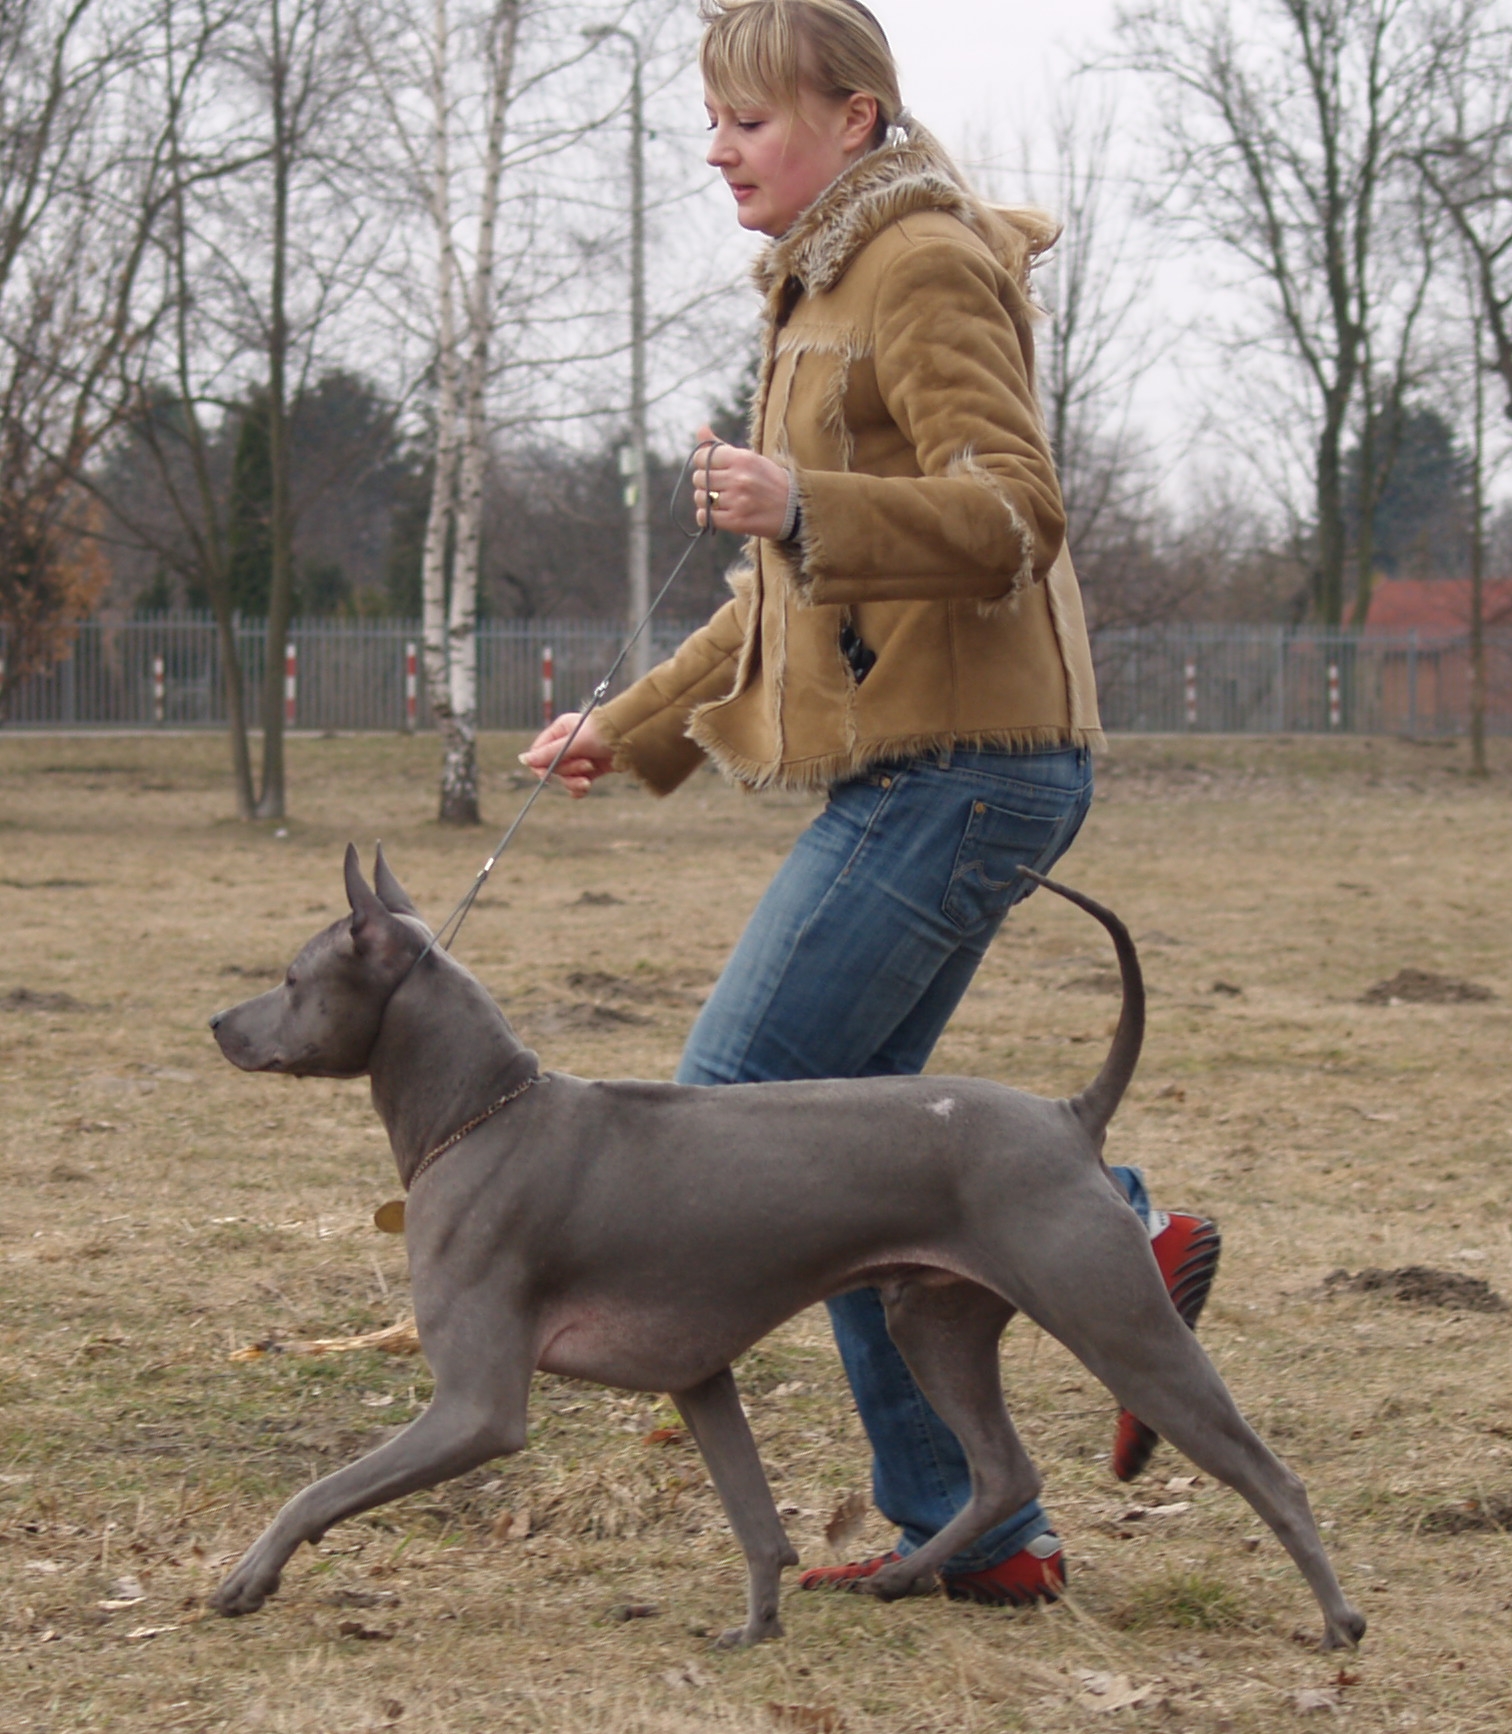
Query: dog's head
x=322, y=1020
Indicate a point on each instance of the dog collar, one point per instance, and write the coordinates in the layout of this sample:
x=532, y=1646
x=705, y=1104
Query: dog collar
x=390, y=1217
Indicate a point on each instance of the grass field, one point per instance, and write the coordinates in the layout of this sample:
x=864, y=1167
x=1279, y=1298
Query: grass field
x=163, y=1210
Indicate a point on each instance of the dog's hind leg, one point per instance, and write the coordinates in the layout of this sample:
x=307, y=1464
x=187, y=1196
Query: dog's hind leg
x=1156, y=1367
x=478, y=1412
x=718, y=1424
x=948, y=1334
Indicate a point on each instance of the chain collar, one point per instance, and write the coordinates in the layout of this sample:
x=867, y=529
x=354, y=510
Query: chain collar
x=432, y=1156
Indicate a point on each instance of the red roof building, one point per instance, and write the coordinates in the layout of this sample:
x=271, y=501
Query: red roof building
x=1435, y=607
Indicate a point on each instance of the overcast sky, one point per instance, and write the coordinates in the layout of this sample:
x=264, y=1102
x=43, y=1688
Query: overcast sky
x=967, y=64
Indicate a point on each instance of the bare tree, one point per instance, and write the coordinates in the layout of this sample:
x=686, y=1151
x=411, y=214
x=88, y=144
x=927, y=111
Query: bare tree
x=488, y=102
x=299, y=60
x=81, y=188
x=1465, y=158
x=1285, y=141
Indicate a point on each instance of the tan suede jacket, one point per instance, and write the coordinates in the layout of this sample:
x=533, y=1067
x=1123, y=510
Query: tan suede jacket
x=897, y=385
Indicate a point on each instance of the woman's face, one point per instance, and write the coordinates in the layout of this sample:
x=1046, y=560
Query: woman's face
x=777, y=160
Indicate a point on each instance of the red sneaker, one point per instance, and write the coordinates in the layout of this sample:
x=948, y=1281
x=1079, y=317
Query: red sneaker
x=844, y=1577
x=1186, y=1250
x=1036, y=1573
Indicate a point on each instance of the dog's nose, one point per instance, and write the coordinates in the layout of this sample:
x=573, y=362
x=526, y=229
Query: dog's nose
x=215, y=1022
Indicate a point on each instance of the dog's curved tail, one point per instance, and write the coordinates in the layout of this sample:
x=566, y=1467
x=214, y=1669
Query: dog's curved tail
x=1095, y=1105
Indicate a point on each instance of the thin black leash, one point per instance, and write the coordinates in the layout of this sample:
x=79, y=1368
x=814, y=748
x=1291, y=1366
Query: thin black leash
x=454, y=921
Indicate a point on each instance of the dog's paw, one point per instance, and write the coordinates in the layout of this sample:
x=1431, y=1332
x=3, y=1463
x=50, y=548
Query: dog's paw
x=1344, y=1633
x=893, y=1582
x=244, y=1592
x=742, y=1637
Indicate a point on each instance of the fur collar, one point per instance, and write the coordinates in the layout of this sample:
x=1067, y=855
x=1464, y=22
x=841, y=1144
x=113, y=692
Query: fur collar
x=857, y=205
x=877, y=189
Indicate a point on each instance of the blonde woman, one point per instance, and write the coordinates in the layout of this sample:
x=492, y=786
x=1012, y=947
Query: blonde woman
x=905, y=633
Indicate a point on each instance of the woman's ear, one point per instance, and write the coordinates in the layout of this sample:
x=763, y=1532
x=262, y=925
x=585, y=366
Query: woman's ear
x=860, y=127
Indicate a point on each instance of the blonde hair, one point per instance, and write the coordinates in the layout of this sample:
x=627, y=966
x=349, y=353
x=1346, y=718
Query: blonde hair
x=770, y=51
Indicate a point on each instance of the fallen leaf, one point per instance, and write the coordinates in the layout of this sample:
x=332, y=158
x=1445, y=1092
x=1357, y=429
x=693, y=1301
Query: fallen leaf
x=812, y=1718
x=1104, y=1692
x=127, y=1589
x=689, y=1674
x=1312, y=1698
x=627, y=1611
x=1183, y=1483
x=368, y=1634
x=665, y=1436
x=149, y=1632
x=512, y=1525
x=1136, y=1512
x=845, y=1522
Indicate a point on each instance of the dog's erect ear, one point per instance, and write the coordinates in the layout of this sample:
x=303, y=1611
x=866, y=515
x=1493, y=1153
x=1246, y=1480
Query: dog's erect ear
x=391, y=893
x=365, y=905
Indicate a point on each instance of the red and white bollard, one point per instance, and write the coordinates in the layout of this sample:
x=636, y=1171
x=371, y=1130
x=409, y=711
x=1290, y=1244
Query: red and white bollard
x=1191, y=695
x=1335, y=704
x=291, y=685
x=548, y=685
x=159, y=690
x=411, y=688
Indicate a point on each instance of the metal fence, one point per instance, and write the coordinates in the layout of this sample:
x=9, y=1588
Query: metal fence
x=166, y=671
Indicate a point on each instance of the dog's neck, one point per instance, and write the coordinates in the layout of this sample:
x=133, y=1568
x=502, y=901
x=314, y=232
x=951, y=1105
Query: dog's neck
x=444, y=1053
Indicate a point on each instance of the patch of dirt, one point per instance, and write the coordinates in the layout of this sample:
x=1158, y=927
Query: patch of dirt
x=254, y=971
x=599, y=900
x=599, y=984
x=1101, y=981
x=1423, y=987
x=48, y=884
x=1469, y=1515
x=584, y=1015
x=26, y=999
x=1421, y=1285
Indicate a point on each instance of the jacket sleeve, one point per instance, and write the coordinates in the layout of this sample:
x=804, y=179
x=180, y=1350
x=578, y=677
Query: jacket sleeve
x=984, y=518
x=646, y=726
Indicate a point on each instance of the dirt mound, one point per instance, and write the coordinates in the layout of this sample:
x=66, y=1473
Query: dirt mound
x=1104, y=981
x=1421, y=1285
x=27, y=999
x=1423, y=987
x=1467, y=1515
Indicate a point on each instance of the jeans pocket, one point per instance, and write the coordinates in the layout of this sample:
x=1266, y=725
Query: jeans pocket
x=983, y=883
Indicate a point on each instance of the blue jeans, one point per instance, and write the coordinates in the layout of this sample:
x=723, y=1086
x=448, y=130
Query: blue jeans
x=850, y=966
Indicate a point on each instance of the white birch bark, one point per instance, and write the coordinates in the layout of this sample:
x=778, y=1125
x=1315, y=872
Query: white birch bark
x=437, y=661
x=450, y=628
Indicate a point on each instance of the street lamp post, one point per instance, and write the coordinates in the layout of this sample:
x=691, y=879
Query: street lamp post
x=633, y=459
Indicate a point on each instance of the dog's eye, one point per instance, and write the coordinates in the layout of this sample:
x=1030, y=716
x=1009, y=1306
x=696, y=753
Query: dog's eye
x=290, y=979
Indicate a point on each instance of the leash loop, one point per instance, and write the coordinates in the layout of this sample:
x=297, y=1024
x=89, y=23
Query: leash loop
x=706, y=448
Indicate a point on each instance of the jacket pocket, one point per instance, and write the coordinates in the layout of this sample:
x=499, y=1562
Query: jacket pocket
x=983, y=883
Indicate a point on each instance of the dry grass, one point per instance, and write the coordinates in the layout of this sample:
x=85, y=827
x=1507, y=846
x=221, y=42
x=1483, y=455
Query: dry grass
x=163, y=1209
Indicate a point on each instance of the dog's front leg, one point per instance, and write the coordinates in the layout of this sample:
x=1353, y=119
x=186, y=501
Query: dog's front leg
x=477, y=1413
x=718, y=1424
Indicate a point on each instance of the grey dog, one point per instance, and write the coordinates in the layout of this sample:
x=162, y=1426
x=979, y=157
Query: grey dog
x=643, y=1235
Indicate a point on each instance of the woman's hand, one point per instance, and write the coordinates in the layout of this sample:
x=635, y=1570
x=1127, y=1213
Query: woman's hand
x=588, y=758
x=749, y=493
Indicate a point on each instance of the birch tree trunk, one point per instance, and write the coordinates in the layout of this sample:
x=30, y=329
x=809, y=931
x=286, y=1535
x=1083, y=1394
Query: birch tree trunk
x=439, y=522
x=451, y=643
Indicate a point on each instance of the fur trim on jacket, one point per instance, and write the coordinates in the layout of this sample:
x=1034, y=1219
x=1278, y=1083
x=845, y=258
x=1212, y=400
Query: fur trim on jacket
x=897, y=385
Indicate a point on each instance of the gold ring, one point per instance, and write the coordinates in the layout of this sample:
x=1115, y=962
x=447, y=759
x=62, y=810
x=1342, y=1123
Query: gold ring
x=713, y=499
